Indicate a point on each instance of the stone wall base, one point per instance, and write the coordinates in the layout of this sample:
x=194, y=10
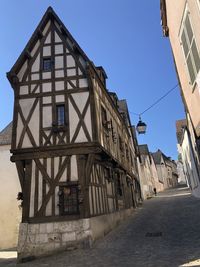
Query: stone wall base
x=42, y=239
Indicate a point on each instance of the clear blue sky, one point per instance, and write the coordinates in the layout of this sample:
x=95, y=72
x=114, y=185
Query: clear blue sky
x=124, y=37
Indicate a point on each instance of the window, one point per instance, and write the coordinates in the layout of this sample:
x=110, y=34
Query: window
x=127, y=152
x=68, y=200
x=190, y=50
x=103, y=116
x=47, y=64
x=119, y=187
x=60, y=113
x=121, y=147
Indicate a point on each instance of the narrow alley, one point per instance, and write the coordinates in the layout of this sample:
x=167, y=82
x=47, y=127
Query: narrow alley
x=163, y=232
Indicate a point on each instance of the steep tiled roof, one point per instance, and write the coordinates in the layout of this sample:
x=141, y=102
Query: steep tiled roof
x=5, y=135
x=157, y=157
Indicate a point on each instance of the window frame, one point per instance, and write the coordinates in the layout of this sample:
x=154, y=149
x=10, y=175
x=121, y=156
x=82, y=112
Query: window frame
x=63, y=123
x=119, y=186
x=121, y=146
x=193, y=69
x=51, y=64
x=104, y=117
x=198, y=3
x=62, y=200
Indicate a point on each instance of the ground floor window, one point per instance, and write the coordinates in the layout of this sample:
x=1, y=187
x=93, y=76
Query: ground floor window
x=68, y=200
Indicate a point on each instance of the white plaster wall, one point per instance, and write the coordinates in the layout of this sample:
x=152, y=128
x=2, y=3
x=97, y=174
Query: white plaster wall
x=80, y=100
x=36, y=64
x=58, y=62
x=57, y=38
x=70, y=61
x=59, y=73
x=60, y=98
x=190, y=166
x=162, y=174
x=24, y=90
x=35, y=48
x=59, y=85
x=74, y=171
x=73, y=119
x=48, y=39
x=26, y=105
x=9, y=210
x=58, y=49
x=46, y=51
x=181, y=174
x=158, y=185
x=144, y=185
x=46, y=27
x=47, y=116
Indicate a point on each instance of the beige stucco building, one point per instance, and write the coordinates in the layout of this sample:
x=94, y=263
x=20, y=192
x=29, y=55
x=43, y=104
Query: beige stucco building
x=9, y=206
x=166, y=169
x=187, y=156
x=180, y=21
x=148, y=173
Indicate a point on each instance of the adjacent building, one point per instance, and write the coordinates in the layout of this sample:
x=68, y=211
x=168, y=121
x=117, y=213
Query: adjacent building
x=166, y=169
x=174, y=172
x=148, y=173
x=10, y=186
x=187, y=157
x=180, y=22
x=180, y=126
x=72, y=144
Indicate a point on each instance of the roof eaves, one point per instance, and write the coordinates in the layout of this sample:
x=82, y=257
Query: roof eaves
x=163, y=13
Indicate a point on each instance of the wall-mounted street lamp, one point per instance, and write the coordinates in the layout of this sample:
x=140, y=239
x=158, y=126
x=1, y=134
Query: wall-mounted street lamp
x=141, y=127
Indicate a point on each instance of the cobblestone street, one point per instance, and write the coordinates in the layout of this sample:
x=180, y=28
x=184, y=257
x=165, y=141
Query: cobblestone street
x=163, y=232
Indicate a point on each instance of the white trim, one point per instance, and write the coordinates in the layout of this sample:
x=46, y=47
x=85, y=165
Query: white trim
x=183, y=18
x=198, y=3
x=183, y=28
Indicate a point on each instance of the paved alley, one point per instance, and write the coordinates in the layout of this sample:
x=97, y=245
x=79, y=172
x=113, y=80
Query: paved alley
x=165, y=231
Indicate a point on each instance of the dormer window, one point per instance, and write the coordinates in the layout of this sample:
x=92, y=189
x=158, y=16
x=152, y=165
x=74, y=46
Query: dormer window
x=47, y=64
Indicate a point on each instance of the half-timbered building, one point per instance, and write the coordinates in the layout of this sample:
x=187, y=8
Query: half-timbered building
x=72, y=144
